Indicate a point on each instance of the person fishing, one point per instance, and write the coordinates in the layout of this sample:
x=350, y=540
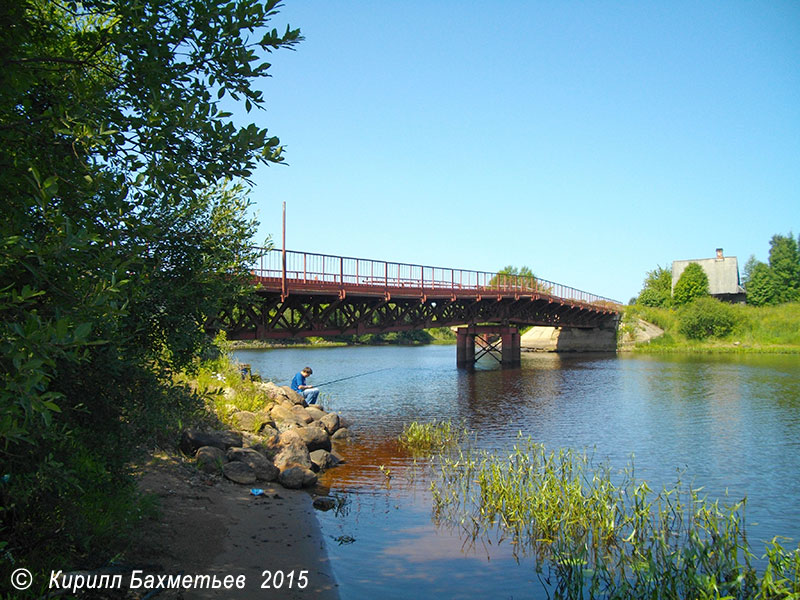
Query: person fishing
x=308, y=392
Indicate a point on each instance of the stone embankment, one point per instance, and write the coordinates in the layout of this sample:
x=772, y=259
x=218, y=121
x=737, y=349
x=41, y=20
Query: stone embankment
x=286, y=441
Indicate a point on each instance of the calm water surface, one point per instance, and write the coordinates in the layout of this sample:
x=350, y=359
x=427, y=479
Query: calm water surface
x=728, y=423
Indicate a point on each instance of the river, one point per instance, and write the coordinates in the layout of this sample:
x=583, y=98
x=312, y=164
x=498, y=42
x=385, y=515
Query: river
x=728, y=423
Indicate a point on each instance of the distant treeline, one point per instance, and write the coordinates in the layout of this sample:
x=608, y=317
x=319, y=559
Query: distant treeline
x=436, y=335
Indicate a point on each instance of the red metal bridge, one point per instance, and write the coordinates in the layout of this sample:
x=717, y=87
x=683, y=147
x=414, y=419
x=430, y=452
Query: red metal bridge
x=300, y=294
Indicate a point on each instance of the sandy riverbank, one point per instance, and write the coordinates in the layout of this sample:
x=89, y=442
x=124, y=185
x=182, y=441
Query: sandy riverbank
x=209, y=525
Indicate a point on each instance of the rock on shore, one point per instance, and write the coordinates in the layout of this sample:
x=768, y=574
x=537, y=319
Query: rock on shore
x=285, y=441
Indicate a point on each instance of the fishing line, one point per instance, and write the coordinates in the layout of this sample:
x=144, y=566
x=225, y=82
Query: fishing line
x=352, y=377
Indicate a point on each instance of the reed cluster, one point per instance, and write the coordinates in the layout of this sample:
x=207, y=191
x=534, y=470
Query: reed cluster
x=422, y=439
x=599, y=534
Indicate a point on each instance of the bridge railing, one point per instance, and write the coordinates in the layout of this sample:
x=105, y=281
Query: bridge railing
x=320, y=269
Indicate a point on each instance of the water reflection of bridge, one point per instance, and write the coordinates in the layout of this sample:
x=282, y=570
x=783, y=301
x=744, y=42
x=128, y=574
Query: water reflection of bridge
x=299, y=294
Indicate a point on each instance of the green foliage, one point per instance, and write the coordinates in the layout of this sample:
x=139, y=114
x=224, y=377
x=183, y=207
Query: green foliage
x=762, y=285
x=692, y=284
x=784, y=260
x=412, y=337
x=442, y=335
x=777, y=325
x=780, y=280
x=707, y=317
x=774, y=328
x=427, y=438
x=221, y=383
x=747, y=269
x=122, y=234
x=511, y=276
x=657, y=288
x=663, y=318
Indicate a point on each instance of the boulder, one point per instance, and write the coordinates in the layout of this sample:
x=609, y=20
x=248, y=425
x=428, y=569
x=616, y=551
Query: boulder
x=239, y=472
x=293, y=396
x=297, y=477
x=272, y=391
x=324, y=503
x=244, y=420
x=268, y=431
x=342, y=434
x=293, y=454
x=210, y=459
x=302, y=414
x=285, y=418
x=322, y=459
x=315, y=412
x=315, y=438
x=290, y=436
x=264, y=419
x=260, y=464
x=330, y=422
x=266, y=441
x=192, y=439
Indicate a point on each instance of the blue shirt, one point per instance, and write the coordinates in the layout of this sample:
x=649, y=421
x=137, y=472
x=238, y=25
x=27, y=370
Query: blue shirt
x=298, y=381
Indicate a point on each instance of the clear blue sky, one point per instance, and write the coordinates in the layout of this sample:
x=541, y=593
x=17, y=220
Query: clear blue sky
x=589, y=141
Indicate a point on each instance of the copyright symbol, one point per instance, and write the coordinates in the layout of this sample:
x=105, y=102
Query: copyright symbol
x=21, y=579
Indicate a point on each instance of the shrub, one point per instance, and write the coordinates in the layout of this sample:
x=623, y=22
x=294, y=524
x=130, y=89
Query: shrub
x=707, y=317
x=657, y=288
x=692, y=284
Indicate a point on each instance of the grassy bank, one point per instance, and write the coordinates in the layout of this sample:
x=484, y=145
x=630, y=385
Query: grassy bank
x=716, y=327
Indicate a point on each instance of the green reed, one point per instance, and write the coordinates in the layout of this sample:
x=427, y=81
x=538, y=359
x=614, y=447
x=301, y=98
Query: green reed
x=600, y=535
x=427, y=438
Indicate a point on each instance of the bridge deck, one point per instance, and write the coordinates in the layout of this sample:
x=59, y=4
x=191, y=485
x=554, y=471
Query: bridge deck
x=307, y=273
x=301, y=294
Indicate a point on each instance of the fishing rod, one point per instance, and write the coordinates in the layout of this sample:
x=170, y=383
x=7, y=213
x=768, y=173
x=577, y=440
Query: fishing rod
x=352, y=377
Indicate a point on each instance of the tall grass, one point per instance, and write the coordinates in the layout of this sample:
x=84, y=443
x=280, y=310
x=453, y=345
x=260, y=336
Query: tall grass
x=426, y=438
x=597, y=535
x=756, y=329
x=220, y=383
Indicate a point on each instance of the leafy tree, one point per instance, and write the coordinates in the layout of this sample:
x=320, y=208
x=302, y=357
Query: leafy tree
x=762, y=286
x=692, y=284
x=122, y=231
x=784, y=260
x=747, y=270
x=657, y=288
x=513, y=276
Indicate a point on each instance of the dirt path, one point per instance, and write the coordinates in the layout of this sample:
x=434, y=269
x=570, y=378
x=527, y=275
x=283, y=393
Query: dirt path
x=210, y=526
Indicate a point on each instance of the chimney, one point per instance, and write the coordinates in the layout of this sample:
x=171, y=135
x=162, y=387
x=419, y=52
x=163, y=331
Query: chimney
x=719, y=254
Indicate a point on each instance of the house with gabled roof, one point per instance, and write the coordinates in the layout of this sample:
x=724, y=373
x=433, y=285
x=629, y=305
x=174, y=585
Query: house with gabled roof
x=723, y=276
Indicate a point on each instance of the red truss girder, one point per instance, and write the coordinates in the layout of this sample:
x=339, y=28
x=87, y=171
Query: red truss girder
x=301, y=314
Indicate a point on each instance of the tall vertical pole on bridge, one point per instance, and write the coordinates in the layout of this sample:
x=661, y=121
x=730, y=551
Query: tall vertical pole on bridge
x=283, y=256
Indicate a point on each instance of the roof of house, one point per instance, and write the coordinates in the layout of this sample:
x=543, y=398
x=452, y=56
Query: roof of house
x=723, y=274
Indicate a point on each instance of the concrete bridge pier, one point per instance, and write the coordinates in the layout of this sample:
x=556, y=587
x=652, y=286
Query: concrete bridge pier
x=506, y=349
